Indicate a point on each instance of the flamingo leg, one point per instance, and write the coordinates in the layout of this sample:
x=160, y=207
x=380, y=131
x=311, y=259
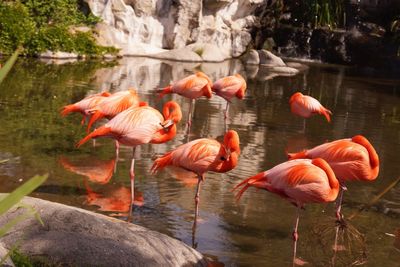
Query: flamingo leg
x=83, y=120
x=196, y=214
x=295, y=235
x=116, y=155
x=132, y=178
x=339, y=215
x=226, y=110
x=189, y=121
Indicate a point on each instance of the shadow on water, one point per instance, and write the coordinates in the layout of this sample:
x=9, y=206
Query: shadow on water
x=256, y=231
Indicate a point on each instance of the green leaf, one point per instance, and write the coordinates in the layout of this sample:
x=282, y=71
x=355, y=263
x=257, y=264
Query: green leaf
x=10, y=62
x=25, y=189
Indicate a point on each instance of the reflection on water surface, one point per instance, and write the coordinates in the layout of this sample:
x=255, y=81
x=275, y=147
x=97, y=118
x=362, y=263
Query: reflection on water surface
x=254, y=232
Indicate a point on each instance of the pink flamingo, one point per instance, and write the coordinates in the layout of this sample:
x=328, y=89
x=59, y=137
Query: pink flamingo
x=192, y=87
x=140, y=125
x=113, y=105
x=229, y=87
x=203, y=155
x=299, y=181
x=83, y=106
x=351, y=159
x=305, y=106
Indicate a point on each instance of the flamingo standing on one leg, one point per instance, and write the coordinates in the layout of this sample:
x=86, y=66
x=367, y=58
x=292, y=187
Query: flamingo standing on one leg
x=229, y=87
x=200, y=156
x=351, y=159
x=83, y=106
x=305, y=106
x=192, y=87
x=140, y=125
x=299, y=181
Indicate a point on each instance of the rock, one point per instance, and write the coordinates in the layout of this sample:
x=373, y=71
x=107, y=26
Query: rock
x=76, y=237
x=209, y=52
x=283, y=70
x=269, y=59
x=252, y=57
x=183, y=54
x=58, y=55
x=7, y=261
x=148, y=27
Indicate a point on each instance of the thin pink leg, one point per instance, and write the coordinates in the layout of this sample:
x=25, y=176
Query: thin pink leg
x=196, y=214
x=339, y=215
x=132, y=178
x=116, y=155
x=295, y=235
x=226, y=110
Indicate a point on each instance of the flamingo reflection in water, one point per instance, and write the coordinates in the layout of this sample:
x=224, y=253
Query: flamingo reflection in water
x=110, y=198
x=200, y=156
x=299, y=181
x=140, y=125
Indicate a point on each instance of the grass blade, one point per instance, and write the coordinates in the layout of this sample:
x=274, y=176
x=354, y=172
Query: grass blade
x=10, y=62
x=25, y=189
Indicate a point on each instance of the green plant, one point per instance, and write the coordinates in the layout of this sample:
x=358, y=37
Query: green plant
x=13, y=199
x=40, y=25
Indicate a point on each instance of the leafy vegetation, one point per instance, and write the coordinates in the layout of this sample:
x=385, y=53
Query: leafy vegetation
x=40, y=25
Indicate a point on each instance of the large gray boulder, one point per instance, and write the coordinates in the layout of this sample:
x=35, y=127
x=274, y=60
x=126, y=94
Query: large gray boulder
x=76, y=237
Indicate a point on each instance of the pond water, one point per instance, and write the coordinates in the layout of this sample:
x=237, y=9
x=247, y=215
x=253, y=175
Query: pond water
x=256, y=231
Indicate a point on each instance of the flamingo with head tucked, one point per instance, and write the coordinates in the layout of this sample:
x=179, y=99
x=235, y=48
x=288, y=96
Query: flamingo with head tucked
x=83, y=106
x=140, y=125
x=351, y=159
x=192, y=87
x=203, y=155
x=299, y=181
x=230, y=87
x=305, y=106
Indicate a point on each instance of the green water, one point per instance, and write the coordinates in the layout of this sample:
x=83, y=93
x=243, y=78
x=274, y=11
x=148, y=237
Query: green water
x=257, y=230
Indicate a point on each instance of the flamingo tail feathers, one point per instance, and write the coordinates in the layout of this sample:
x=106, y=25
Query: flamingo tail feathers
x=68, y=109
x=326, y=113
x=164, y=91
x=258, y=180
x=161, y=162
x=102, y=131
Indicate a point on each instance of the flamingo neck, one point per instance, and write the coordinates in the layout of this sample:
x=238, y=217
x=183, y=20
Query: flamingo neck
x=230, y=163
x=164, y=135
x=373, y=156
x=333, y=181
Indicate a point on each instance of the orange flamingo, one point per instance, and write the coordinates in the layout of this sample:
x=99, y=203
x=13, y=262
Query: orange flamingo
x=98, y=171
x=299, y=181
x=140, y=125
x=113, y=105
x=305, y=106
x=85, y=105
x=192, y=87
x=351, y=159
x=203, y=155
x=229, y=87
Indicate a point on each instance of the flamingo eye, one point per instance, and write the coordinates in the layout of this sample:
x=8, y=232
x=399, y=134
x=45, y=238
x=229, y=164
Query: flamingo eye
x=222, y=158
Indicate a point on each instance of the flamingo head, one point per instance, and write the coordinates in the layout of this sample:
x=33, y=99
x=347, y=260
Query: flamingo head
x=231, y=142
x=294, y=96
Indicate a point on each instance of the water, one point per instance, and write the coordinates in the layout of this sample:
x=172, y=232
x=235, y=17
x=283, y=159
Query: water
x=254, y=232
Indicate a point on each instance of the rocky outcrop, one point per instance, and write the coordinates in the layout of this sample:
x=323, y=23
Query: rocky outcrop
x=149, y=27
x=76, y=237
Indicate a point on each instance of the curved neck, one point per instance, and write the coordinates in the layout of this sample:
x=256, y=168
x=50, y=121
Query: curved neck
x=230, y=163
x=333, y=181
x=164, y=135
x=373, y=156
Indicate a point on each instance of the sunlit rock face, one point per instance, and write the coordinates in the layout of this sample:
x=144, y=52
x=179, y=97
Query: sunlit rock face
x=149, y=27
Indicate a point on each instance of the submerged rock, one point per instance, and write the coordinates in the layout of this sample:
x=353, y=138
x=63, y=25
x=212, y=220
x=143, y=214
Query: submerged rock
x=76, y=237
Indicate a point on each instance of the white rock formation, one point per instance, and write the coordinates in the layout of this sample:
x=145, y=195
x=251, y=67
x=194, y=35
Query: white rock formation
x=220, y=29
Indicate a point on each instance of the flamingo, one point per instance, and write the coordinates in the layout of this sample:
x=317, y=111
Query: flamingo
x=351, y=159
x=305, y=106
x=140, y=125
x=113, y=105
x=229, y=87
x=299, y=181
x=83, y=106
x=192, y=87
x=203, y=155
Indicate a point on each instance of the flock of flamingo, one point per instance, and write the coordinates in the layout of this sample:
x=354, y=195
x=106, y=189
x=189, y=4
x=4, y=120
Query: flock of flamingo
x=316, y=175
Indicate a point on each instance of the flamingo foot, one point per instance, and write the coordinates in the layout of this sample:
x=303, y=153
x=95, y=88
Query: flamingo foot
x=295, y=236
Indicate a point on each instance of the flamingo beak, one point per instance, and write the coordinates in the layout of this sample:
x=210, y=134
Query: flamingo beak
x=166, y=124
